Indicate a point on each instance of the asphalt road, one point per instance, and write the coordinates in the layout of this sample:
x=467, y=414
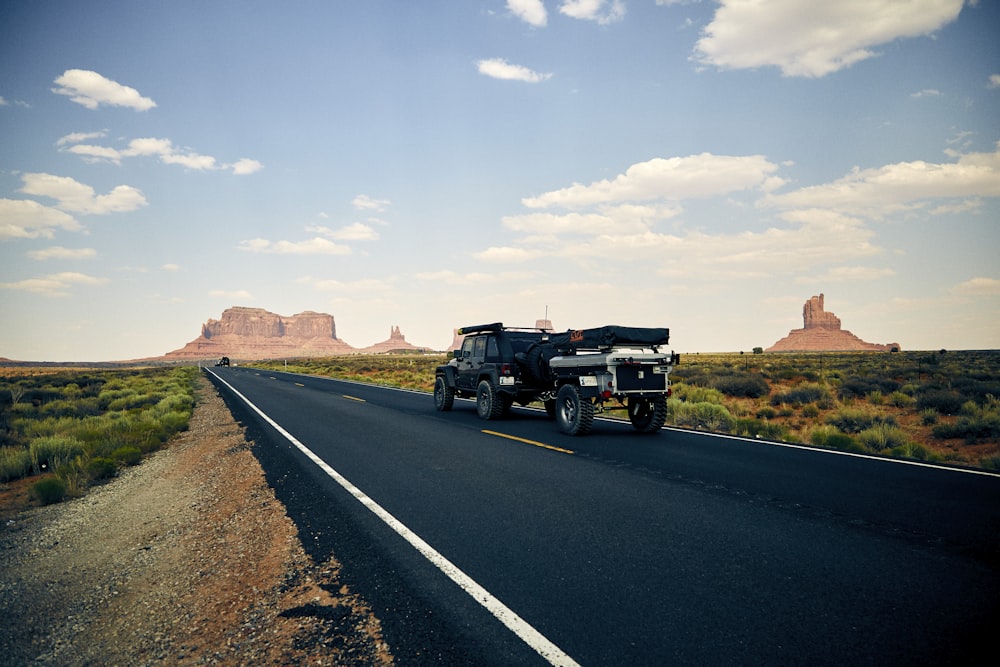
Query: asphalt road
x=622, y=548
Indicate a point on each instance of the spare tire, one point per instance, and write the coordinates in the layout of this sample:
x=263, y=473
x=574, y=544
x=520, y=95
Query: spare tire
x=534, y=365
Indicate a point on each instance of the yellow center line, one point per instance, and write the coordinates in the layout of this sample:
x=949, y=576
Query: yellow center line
x=354, y=398
x=529, y=442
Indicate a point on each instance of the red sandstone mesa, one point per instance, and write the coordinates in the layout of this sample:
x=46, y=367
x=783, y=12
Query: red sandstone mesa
x=821, y=332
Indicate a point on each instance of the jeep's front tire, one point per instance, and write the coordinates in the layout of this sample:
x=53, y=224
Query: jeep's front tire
x=444, y=396
x=574, y=413
x=489, y=405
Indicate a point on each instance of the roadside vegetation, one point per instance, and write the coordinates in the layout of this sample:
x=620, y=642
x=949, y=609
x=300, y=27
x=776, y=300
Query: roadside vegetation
x=929, y=406
x=73, y=428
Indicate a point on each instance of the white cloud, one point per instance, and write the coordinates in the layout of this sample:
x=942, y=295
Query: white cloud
x=812, y=38
x=79, y=198
x=366, y=203
x=531, y=12
x=901, y=186
x=508, y=254
x=245, y=166
x=77, y=137
x=357, y=231
x=55, y=285
x=979, y=287
x=498, y=68
x=314, y=246
x=449, y=277
x=164, y=149
x=58, y=252
x=691, y=177
x=27, y=219
x=994, y=81
x=91, y=90
x=926, y=92
x=602, y=11
x=171, y=267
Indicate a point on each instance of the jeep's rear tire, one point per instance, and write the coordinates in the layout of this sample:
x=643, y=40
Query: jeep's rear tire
x=489, y=405
x=574, y=413
x=647, y=414
x=444, y=396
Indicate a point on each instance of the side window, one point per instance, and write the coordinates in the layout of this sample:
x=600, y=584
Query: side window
x=492, y=349
x=467, y=347
x=479, y=351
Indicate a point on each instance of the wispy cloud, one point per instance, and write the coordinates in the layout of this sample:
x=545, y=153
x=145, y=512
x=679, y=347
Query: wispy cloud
x=314, y=246
x=994, y=81
x=91, y=90
x=366, y=203
x=234, y=295
x=58, y=252
x=357, y=231
x=54, y=285
x=813, y=38
x=163, y=149
x=601, y=11
x=498, y=68
x=979, y=287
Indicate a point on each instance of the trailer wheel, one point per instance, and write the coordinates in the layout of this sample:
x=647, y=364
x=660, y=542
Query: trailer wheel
x=488, y=404
x=444, y=396
x=647, y=415
x=574, y=413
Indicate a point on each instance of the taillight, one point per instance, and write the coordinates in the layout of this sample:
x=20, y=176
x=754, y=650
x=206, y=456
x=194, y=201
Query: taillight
x=505, y=369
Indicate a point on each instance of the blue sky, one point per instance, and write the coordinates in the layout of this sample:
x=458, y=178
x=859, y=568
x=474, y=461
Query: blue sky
x=706, y=166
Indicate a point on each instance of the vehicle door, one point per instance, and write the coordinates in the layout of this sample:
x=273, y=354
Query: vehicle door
x=471, y=359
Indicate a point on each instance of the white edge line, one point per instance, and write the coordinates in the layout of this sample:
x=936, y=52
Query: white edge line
x=528, y=634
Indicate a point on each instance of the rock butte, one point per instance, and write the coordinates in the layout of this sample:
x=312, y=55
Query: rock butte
x=821, y=332
x=254, y=333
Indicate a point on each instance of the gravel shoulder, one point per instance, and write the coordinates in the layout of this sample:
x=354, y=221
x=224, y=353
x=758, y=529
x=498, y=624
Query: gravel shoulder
x=185, y=559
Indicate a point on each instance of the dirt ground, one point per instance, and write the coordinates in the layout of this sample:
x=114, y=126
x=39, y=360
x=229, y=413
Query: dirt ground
x=185, y=559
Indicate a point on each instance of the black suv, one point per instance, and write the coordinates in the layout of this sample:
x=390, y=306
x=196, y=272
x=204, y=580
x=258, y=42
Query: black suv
x=498, y=366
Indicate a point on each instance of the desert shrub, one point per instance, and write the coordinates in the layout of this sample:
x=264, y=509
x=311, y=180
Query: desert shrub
x=942, y=401
x=807, y=392
x=49, y=490
x=990, y=463
x=101, y=468
x=767, y=412
x=859, y=386
x=748, y=386
x=810, y=411
x=75, y=475
x=708, y=416
x=695, y=394
x=901, y=400
x=51, y=451
x=928, y=417
x=852, y=420
x=881, y=437
x=127, y=455
x=759, y=428
x=975, y=423
x=15, y=463
x=914, y=450
x=875, y=397
x=830, y=436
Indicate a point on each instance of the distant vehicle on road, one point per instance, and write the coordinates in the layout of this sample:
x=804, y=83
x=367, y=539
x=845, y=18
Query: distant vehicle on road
x=224, y=361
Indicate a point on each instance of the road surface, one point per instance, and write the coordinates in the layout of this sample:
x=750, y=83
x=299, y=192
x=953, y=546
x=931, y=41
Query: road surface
x=505, y=542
